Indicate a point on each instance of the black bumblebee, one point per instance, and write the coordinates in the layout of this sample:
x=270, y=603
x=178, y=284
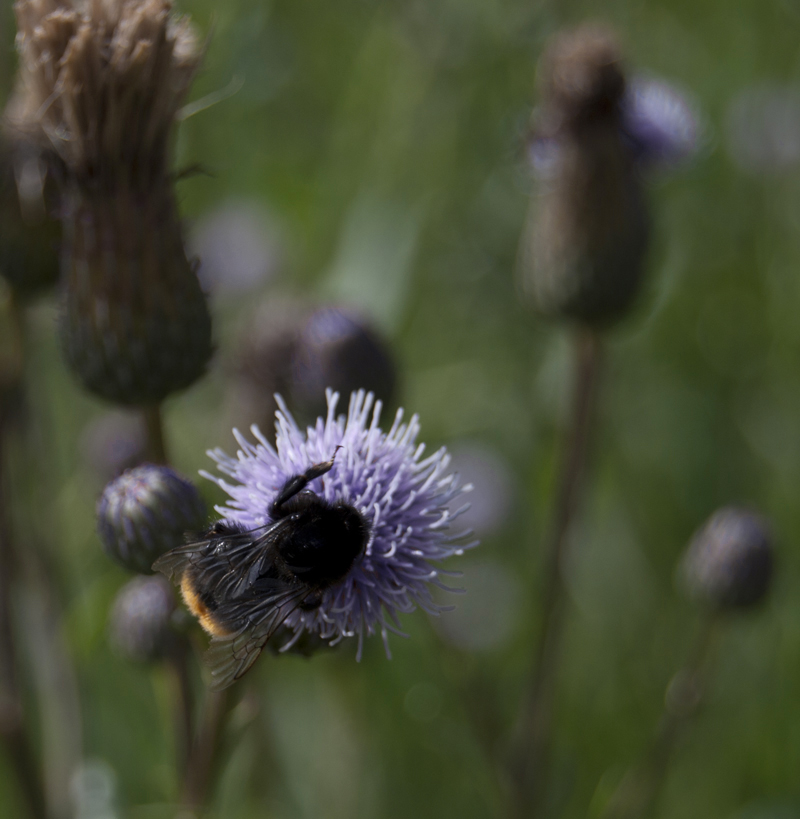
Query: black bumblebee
x=242, y=584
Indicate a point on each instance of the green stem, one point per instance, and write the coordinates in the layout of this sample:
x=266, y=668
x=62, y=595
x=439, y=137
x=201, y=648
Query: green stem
x=183, y=699
x=205, y=753
x=179, y=662
x=12, y=722
x=156, y=439
x=640, y=787
x=535, y=723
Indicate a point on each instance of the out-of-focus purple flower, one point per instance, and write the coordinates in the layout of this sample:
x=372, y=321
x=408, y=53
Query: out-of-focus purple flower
x=237, y=247
x=493, y=487
x=729, y=562
x=337, y=348
x=763, y=128
x=145, y=512
x=660, y=122
x=299, y=351
x=113, y=442
x=404, y=497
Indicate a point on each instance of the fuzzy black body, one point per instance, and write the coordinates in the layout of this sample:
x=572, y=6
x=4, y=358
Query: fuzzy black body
x=242, y=584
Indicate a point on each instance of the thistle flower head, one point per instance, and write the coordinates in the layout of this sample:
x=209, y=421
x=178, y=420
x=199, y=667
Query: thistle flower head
x=729, y=562
x=402, y=495
x=145, y=512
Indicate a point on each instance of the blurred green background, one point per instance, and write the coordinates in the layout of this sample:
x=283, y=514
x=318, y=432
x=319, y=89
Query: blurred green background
x=386, y=141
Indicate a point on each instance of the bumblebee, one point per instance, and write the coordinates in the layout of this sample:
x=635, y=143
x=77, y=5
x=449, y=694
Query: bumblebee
x=242, y=584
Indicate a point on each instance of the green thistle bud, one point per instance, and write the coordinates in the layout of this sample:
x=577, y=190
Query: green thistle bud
x=582, y=257
x=145, y=512
x=729, y=562
x=109, y=79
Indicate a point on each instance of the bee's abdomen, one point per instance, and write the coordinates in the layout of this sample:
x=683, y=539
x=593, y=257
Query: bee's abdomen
x=203, y=605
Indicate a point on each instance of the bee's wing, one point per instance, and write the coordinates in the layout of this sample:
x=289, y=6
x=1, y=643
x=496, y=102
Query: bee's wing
x=241, y=548
x=228, y=658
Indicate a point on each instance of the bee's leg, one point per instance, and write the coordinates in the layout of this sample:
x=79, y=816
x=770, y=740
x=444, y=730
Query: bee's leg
x=299, y=482
x=312, y=601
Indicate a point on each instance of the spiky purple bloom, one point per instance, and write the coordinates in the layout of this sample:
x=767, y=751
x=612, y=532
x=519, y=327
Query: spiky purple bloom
x=403, y=496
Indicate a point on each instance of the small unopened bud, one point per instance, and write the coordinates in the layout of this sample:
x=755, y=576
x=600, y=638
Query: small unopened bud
x=145, y=512
x=140, y=619
x=338, y=349
x=582, y=256
x=104, y=84
x=729, y=562
x=299, y=352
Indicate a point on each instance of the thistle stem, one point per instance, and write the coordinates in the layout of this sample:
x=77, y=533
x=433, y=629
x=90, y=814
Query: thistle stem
x=156, y=440
x=204, y=753
x=535, y=723
x=12, y=722
x=179, y=661
x=183, y=705
x=640, y=787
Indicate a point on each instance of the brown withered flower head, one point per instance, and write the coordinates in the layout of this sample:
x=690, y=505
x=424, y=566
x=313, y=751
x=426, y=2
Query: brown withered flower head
x=582, y=256
x=102, y=82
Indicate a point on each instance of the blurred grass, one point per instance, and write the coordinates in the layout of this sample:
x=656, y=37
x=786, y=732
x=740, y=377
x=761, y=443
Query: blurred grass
x=387, y=139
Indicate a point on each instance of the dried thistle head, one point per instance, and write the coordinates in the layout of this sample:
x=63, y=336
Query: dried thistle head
x=581, y=76
x=102, y=82
x=582, y=255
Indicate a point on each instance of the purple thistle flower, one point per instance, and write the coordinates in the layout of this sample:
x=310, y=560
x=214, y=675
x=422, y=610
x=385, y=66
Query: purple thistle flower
x=403, y=496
